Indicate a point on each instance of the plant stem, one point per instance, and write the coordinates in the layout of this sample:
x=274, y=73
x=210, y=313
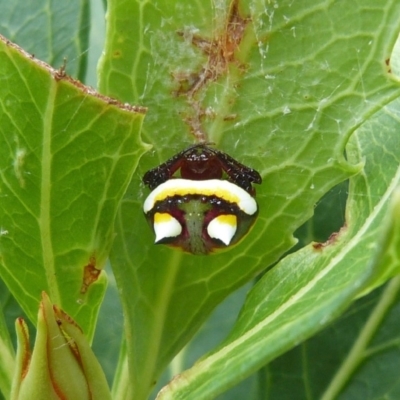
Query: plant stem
x=358, y=352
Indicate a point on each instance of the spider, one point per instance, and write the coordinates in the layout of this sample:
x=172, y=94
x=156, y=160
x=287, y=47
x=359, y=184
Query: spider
x=200, y=211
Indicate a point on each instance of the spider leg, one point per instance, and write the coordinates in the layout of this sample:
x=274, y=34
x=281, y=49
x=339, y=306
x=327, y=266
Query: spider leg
x=238, y=173
x=163, y=172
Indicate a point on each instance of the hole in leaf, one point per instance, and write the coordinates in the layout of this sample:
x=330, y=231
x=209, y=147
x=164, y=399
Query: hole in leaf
x=328, y=218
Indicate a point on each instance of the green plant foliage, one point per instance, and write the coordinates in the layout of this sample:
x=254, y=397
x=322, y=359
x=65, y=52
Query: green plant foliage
x=304, y=92
x=356, y=356
x=294, y=96
x=66, y=159
x=308, y=288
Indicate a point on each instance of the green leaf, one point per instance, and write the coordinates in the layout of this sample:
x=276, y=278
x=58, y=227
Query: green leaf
x=307, y=289
x=67, y=155
x=356, y=357
x=376, y=142
x=51, y=31
x=286, y=106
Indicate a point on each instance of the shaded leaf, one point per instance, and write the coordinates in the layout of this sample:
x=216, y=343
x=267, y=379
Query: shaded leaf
x=326, y=355
x=51, y=31
x=109, y=330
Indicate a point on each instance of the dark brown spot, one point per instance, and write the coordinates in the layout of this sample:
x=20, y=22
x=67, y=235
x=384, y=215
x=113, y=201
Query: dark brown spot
x=331, y=240
x=90, y=274
x=230, y=117
x=387, y=62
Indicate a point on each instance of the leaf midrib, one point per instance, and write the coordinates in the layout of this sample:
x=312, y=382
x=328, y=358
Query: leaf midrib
x=45, y=198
